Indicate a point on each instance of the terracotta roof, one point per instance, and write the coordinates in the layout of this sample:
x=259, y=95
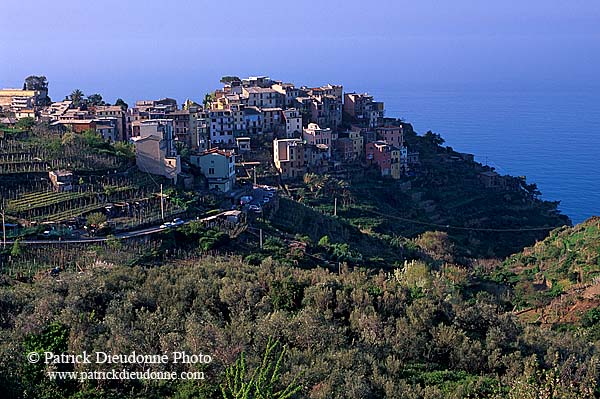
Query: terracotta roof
x=217, y=151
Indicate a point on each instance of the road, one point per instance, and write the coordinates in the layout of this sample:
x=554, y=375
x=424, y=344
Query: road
x=258, y=195
x=121, y=236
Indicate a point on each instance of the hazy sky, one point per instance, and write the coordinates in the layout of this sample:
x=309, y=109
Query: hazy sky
x=149, y=49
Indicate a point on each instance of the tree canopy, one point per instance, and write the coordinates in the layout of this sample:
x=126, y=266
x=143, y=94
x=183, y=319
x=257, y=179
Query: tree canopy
x=77, y=97
x=95, y=99
x=25, y=123
x=229, y=79
x=121, y=103
x=36, y=83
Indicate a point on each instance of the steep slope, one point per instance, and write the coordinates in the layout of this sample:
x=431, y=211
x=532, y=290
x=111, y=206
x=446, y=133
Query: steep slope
x=560, y=275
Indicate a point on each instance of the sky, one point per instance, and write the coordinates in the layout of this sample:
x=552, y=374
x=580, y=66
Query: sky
x=149, y=49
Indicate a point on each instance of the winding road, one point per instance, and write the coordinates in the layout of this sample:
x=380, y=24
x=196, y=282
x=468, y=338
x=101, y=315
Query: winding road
x=121, y=236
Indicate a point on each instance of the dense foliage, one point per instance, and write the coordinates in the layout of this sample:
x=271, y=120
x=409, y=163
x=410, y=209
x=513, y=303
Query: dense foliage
x=415, y=332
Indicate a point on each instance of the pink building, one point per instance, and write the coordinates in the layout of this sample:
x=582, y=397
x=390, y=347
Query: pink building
x=313, y=134
x=386, y=157
x=393, y=135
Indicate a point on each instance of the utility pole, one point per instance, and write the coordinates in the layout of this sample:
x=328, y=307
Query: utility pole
x=162, y=206
x=335, y=206
x=3, y=229
x=254, y=169
x=261, y=238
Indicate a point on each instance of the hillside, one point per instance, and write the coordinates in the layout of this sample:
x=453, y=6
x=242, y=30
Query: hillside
x=445, y=193
x=559, y=275
x=412, y=333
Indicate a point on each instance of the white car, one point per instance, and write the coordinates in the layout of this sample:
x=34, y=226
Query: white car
x=266, y=200
x=166, y=225
x=255, y=208
x=177, y=222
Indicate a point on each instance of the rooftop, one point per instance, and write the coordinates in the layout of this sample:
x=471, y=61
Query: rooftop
x=115, y=108
x=257, y=90
x=218, y=151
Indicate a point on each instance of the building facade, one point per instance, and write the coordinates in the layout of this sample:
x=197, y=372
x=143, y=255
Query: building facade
x=293, y=123
x=289, y=158
x=313, y=134
x=155, y=150
x=218, y=166
x=393, y=135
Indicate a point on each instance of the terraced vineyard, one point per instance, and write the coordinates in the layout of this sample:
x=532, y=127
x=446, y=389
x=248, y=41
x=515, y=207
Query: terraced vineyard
x=50, y=206
x=103, y=176
x=34, y=200
x=16, y=157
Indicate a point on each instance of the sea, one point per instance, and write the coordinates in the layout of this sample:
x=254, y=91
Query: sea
x=552, y=138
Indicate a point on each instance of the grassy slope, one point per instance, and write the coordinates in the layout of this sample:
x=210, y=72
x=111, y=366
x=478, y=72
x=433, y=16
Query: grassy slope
x=559, y=273
x=296, y=218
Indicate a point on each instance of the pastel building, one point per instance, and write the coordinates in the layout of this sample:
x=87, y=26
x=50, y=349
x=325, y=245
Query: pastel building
x=253, y=120
x=326, y=111
x=262, y=97
x=288, y=91
x=313, y=134
x=221, y=127
x=272, y=119
x=107, y=128
x=218, y=166
x=15, y=99
x=393, y=135
x=363, y=109
x=385, y=157
x=154, y=149
x=293, y=122
x=113, y=111
x=289, y=159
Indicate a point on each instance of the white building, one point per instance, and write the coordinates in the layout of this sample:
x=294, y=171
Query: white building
x=221, y=126
x=154, y=149
x=293, y=122
x=218, y=166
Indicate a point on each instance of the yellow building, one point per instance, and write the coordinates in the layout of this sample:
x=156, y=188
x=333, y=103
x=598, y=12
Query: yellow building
x=18, y=99
x=357, y=143
x=395, y=169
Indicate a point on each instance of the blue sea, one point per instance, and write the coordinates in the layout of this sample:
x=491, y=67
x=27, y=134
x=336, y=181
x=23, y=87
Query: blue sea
x=552, y=138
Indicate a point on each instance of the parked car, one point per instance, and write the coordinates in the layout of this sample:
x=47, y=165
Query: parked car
x=245, y=199
x=177, y=222
x=266, y=199
x=166, y=225
x=255, y=208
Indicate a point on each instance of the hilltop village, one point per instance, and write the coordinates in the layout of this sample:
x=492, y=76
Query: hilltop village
x=82, y=168
x=312, y=129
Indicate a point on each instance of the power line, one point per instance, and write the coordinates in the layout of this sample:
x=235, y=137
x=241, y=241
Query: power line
x=447, y=226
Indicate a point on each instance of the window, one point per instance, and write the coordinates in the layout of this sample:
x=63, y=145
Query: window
x=211, y=171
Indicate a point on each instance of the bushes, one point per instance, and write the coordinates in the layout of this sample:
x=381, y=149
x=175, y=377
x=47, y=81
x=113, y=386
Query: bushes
x=286, y=294
x=212, y=239
x=591, y=317
x=355, y=333
x=437, y=244
x=339, y=252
